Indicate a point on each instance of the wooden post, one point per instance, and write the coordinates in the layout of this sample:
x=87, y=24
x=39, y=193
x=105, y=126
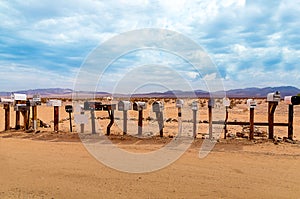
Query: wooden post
x=124, y=122
x=271, y=111
x=34, y=117
x=93, y=121
x=251, y=134
x=111, y=116
x=70, y=118
x=140, y=123
x=210, y=121
x=56, y=118
x=225, y=123
x=17, y=127
x=7, y=116
x=179, y=121
x=160, y=120
x=290, y=122
x=194, y=123
x=25, y=119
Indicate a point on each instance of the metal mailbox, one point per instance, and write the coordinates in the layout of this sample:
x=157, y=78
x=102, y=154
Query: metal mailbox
x=21, y=107
x=157, y=107
x=211, y=102
x=292, y=100
x=274, y=97
x=6, y=101
x=54, y=103
x=97, y=106
x=69, y=108
x=179, y=103
x=138, y=106
x=36, y=100
x=194, y=106
x=124, y=105
x=18, y=97
x=226, y=102
x=251, y=103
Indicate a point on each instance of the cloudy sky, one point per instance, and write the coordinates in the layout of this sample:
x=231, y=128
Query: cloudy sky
x=253, y=43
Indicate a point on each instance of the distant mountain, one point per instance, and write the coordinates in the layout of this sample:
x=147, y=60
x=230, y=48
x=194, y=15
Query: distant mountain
x=234, y=93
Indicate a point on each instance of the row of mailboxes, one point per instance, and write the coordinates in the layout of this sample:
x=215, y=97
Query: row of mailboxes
x=98, y=106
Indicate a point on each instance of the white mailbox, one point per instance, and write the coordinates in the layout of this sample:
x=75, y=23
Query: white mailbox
x=124, y=105
x=274, y=97
x=226, y=102
x=138, y=106
x=6, y=101
x=54, y=103
x=251, y=103
x=194, y=106
x=179, y=103
x=157, y=106
x=18, y=97
x=21, y=107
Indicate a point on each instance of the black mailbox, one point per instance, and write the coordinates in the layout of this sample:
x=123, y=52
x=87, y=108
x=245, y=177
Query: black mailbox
x=108, y=107
x=295, y=100
x=69, y=108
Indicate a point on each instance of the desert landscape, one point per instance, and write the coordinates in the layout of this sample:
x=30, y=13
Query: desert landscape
x=48, y=164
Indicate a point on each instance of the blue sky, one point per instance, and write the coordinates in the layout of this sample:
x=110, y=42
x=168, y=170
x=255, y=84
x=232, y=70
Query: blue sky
x=253, y=43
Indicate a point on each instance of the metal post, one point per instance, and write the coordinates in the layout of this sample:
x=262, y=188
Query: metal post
x=271, y=111
x=179, y=121
x=140, y=123
x=124, y=122
x=194, y=123
x=225, y=123
x=210, y=121
x=251, y=134
x=290, y=122
x=111, y=116
x=34, y=117
x=70, y=117
x=93, y=122
x=7, y=116
x=56, y=118
x=160, y=120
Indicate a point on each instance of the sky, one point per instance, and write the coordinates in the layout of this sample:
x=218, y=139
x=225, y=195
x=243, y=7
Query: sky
x=46, y=44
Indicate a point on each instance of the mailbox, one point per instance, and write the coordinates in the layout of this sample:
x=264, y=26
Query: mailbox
x=157, y=107
x=97, y=106
x=69, y=108
x=251, y=103
x=54, y=103
x=138, y=106
x=274, y=97
x=292, y=100
x=18, y=97
x=106, y=107
x=124, y=105
x=6, y=101
x=194, y=106
x=21, y=107
x=211, y=102
x=36, y=100
x=226, y=102
x=179, y=103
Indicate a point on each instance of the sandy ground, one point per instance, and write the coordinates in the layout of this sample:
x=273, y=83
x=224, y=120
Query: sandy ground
x=57, y=165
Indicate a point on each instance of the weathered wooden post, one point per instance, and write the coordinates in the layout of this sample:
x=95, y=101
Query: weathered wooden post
x=211, y=104
x=291, y=101
x=110, y=109
x=124, y=106
x=226, y=103
x=194, y=109
x=69, y=109
x=6, y=106
x=251, y=104
x=140, y=106
x=20, y=103
x=272, y=99
x=56, y=104
x=179, y=105
x=158, y=108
